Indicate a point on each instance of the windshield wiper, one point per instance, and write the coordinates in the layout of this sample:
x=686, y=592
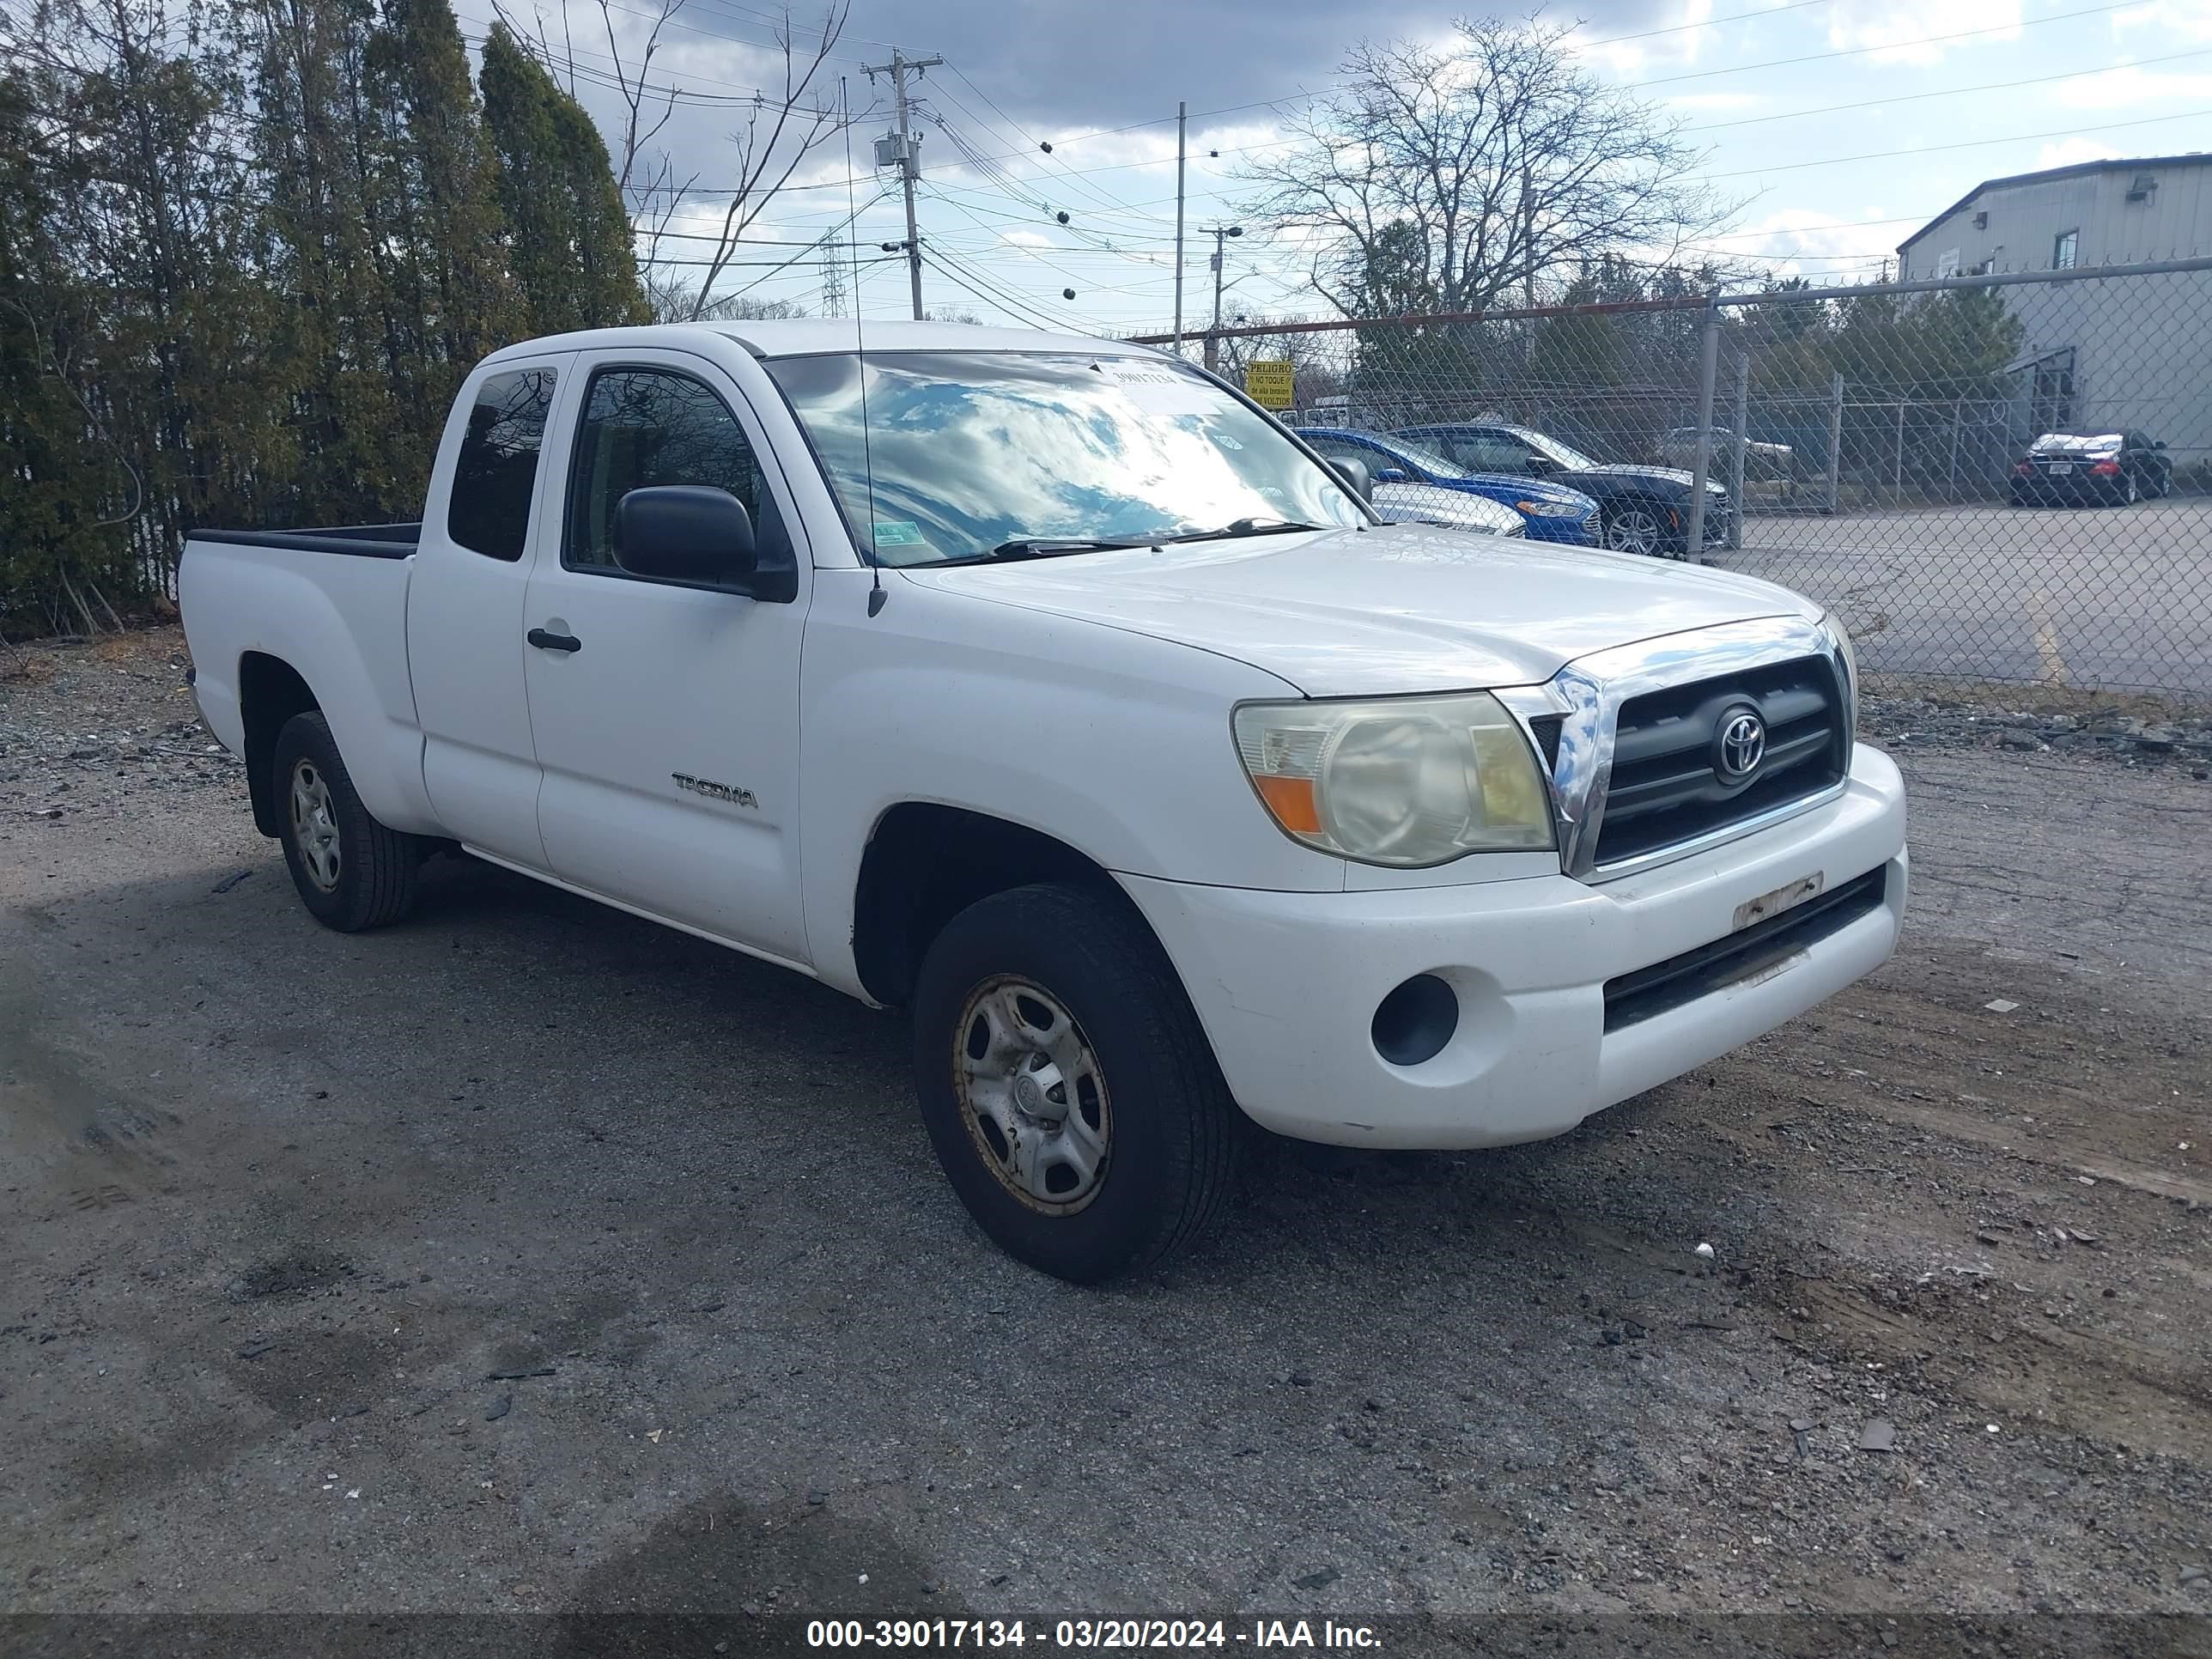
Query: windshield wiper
x=1048, y=547
x=1245, y=527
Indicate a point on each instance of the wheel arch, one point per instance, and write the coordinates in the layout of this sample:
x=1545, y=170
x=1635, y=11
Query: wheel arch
x=926, y=862
x=270, y=691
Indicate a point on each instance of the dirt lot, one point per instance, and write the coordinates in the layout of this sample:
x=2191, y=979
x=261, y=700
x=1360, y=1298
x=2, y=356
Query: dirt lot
x=529, y=1257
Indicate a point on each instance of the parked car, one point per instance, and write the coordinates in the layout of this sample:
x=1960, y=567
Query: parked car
x=1678, y=447
x=1453, y=509
x=1551, y=513
x=2110, y=466
x=1641, y=509
x=1043, y=688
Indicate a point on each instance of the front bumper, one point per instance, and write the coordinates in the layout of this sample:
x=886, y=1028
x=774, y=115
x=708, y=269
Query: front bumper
x=1287, y=984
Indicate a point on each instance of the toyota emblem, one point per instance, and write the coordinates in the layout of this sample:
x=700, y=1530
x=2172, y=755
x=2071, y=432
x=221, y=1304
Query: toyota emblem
x=1742, y=746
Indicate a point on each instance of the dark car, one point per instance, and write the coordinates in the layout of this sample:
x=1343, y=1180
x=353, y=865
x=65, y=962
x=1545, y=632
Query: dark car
x=1641, y=509
x=1549, y=512
x=2110, y=466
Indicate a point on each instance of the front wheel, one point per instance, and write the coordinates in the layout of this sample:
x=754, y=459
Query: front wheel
x=1070, y=1094
x=352, y=872
x=1634, y=527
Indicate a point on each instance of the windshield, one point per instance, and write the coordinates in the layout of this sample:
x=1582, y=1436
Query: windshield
x=1564, y=454
x=970, y=451
x=2065, y=443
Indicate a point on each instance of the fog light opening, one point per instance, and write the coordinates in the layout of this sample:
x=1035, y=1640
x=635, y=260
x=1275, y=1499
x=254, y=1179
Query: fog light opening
x=1414, y=1022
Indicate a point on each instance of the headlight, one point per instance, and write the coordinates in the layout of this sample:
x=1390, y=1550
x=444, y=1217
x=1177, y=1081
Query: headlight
x=1406, y=782
x=1843, y=640
x=1536, y=509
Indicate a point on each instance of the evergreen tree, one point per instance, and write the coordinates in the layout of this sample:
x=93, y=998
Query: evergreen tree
x=323, y=149
x=569, y=243
x=50, y=493
x=445, y=264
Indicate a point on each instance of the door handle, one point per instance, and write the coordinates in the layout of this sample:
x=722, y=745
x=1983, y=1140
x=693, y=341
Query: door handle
x=545, y=641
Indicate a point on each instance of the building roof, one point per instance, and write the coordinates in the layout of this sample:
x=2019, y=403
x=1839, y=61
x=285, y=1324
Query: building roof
x=2080, y=169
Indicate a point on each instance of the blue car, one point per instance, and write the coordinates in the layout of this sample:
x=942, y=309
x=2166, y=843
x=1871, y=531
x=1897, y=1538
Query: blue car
x=1551, y=511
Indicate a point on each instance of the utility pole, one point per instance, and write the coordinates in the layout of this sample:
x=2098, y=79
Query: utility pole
x=1213, y=335
x=1182, y=117
x=903, y=148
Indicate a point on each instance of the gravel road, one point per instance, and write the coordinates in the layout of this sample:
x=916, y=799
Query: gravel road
x=529, y=1257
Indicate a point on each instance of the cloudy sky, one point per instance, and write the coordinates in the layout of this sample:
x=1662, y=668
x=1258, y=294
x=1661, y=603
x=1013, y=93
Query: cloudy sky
x=1842, y=125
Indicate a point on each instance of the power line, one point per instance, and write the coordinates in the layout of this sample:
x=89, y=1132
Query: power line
x=999, y=303
x=1704, y=23
x=1964, y=143
x=1950, y=92
x=1885, y=46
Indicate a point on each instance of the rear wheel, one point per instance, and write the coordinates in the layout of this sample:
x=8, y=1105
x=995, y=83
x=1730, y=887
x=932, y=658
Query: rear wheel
x=352, y=872
x=1635, y=527
x=1070, y=1095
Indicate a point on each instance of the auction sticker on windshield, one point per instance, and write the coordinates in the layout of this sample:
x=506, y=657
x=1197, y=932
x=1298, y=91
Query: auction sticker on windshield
x=1156, y=388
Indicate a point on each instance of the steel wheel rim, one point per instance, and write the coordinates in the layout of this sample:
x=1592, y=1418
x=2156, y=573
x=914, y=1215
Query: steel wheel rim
x=1032, y=1095
x=1632, y=531
x=314, y=825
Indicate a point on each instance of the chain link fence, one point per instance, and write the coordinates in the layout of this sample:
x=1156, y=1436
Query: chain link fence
x=2001, y=478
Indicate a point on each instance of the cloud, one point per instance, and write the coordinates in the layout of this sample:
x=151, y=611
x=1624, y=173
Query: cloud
x=2131, y=86
x=1812, y=241
x=2066, y=152
x=2171, y=20
x=1630, y=49
x=1712, y=102
x=1900, y=28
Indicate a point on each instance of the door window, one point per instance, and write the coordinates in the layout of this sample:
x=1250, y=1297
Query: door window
x=487, y=510
x=1487, y=452
x=647, y=427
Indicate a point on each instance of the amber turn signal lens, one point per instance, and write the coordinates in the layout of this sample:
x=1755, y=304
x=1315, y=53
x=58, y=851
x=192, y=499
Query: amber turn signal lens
x=1292, y=801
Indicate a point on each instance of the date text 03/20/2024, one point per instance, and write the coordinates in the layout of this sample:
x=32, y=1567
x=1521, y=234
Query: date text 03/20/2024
x=1291, y=1635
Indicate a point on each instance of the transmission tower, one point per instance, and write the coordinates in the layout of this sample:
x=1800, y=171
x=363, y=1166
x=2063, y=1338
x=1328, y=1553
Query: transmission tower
x=833, y=275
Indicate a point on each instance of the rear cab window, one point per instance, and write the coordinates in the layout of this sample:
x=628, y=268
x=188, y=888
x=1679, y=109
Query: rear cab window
x=487, y=510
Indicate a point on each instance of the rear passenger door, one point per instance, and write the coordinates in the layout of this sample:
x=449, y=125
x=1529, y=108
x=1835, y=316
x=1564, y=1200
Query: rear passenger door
x=464, y=606
x=669, y=733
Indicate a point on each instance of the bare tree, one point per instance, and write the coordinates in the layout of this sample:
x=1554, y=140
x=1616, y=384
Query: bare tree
x=674, y=300
x=1458, y=179
x=782, y=128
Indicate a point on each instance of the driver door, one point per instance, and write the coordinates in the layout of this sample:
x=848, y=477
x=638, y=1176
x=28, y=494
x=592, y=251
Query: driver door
x=666, y=712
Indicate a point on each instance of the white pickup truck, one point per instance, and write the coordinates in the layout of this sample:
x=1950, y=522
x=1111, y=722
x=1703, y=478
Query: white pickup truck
x=1052, y=690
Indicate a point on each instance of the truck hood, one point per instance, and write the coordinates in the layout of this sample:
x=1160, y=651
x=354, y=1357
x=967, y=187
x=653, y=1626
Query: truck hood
x=1401, y=608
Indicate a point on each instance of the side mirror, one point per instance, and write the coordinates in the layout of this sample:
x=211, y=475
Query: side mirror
x=1356, y=478
x=1391, y=475
x=685, y=533
x=1537, y=465
x=2159, y=444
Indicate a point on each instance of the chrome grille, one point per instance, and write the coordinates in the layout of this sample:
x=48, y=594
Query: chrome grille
x=1668, y=783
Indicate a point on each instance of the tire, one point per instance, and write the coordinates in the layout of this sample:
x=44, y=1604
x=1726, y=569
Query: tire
x=1065, y=994
x=352, y=872
x=2129, y=492
x=1636, y=526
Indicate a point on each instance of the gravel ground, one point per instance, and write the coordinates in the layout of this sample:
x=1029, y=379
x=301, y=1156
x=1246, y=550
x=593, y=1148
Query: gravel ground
x=529, y=1257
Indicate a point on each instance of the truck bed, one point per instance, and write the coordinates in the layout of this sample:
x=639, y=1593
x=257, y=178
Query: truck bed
x=359, y=541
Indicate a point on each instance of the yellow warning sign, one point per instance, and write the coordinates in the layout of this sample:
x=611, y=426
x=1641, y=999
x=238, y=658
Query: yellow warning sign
x=1270, y=385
